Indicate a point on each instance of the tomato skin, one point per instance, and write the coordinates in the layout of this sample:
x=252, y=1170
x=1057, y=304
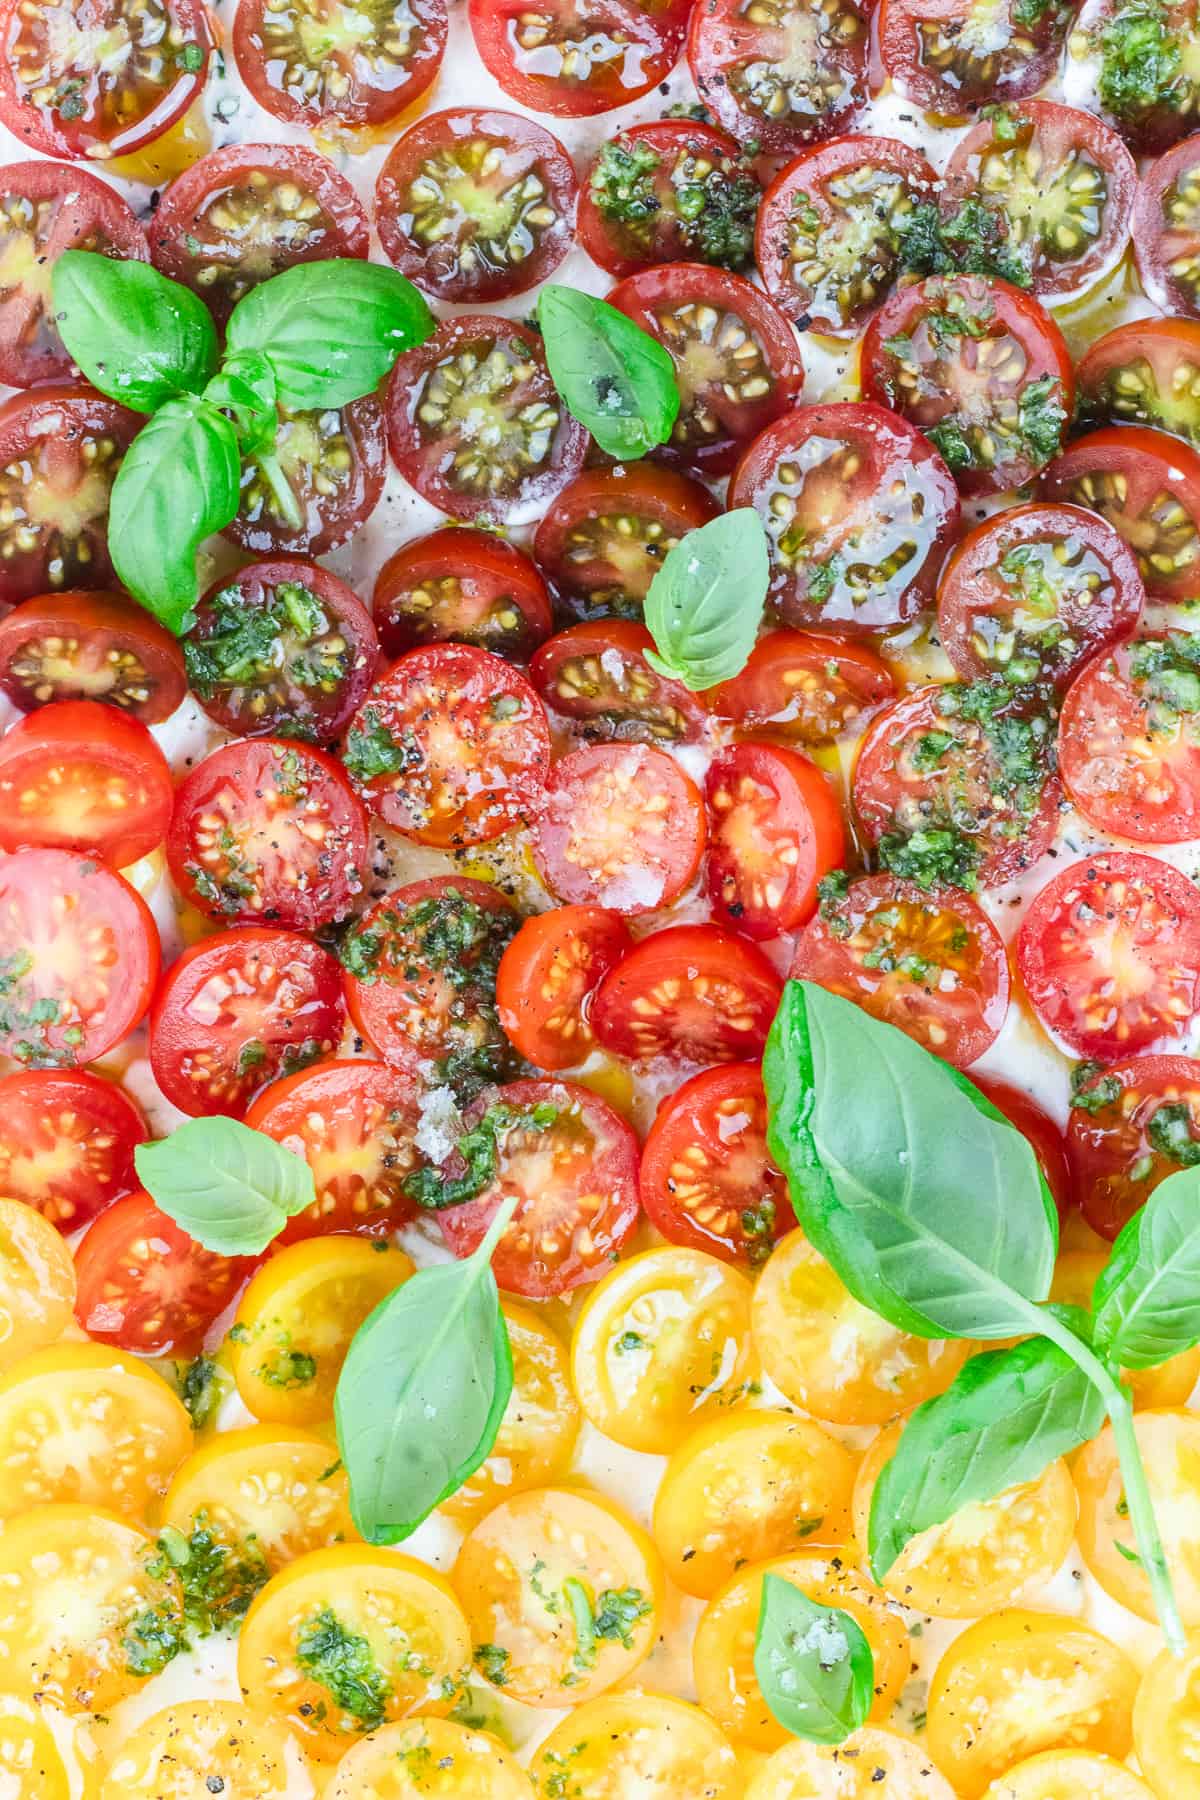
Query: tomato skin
x=1166, y=225
x=362, y=84
x=1143, y=373
x=1118, y=1153
x=693, y=993
x=77, y=775
x=1047, y=1140
x=466, y=586
x=803, y=686
x=597, y=673
x=334, y=494
x=68, y=1143
x=732, y=58
x=625, y=49
x=683, y=148
x=1130, y=761
x=1019, y=63
x=547, y=977
x=1132, y=476
x=775, y=829
x=109, y=649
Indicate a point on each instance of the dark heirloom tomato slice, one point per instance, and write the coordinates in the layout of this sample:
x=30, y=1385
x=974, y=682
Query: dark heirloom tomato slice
x=475, y=425
x=577, y=58
x=333, y=465
x=693, y=993
x=311, y=61
x=249, y=211
x=953, y=56
x=858, y=509
x=606, y=535
x=828, y=238
x=354, y=1124
x=573, y=1163
x=79, y=958
x=474, y=205
x=81, y=776
x=736, y=359
x=451, y=746
x=930, y=963
x=1147, y=485
x=60, y=449
x=547, y=977
x=1144, y=373
x=1031, y=593
x=1130, y=1127
x=1042, y=1132
x=804, y=686
x=1136, y=65
x=780, y=73
x=67, y=1144
x=980, y=369
x=671, y=190
x=599, y=675
x=268, y=831
x=1166, y=229
x=238, y=1010
x=90, y=647
x=281, y=647
x=956, y=784
x=465, y=586
x=622, y=826
x=774, y=830
x=44, y=210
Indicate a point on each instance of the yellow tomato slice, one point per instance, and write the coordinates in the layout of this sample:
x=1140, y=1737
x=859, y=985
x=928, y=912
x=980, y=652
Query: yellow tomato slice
x=429, y=1759
x=630, y=1744
x=37, y=1282
x=1166, y=1726
x=871, y=1765
x=31, y=1767
x=1170, y=1446
x=197, y=1748
x=1074, y=1775
x=283, y=1490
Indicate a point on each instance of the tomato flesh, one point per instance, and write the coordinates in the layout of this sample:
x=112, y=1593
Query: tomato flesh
x=90, y=647
x=1147, y=373
x=1166, y=230
x=1147, y=486
x=608, y=533
x=324, y=60
x=598, y=674
x=775, y=830
x=670, y=190
x=780, y=73
x=1132, y=1125
x=547, y=977
x=954, y=56
x=693, y=993
x=463, y=585
x=77, y=775
x=68, y=1143
x=331, y=467
x=804, y=686
x=577, y=58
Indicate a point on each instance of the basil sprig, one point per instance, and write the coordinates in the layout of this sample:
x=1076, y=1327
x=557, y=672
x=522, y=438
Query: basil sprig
x=705, y=604
x=813, y=1664
x=231, y=1188
x=610, y=374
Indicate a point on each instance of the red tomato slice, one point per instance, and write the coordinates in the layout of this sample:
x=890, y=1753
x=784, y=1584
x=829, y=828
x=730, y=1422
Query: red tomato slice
x=954, y=56
x=930, y=963
x=68, y=1142
x=707, y=1179
x=622, y=826
x=1130, y=1127
x=463, y=585
x=598, y=673
x=269, y=831
x=81, y=776
x=79, y=958
x=1166, y=229
x=237, y=1011
x=1043, y=1134
x=547, y=977
x=805, y=686
x=1109, y=953
x=90, y=647
x=775, y=829
x=693, y=993
x=333, y=464
x=576, y=1182
x=780, y=73
x=577, y=58
x=451, y=747
x=1144, y=373
x=670, y=190
x=1143, y=81
x=318, y=62
x=1129, y=740
x=1147, y=486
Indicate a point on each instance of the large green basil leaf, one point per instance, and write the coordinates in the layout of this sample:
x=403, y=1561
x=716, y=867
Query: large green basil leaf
x=813, y=1664
x=1147, y=1299
x=611, y=375
x=705, y=604
x=229, y=1187
x=137, y=336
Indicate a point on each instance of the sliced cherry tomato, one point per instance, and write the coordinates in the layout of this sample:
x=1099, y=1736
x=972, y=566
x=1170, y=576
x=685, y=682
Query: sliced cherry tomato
x=576, y=58
x=858, y=508
x=622, y=826
x=44, y=210
x=670, y=190
x=1109, y=953
x=80, y=776
x=547, y=977
x=693, y=993
x=475, y=205
x=1144, y=373
x=451, y=746
x=807, y=687
x=1043, y=1134
x=707, y=1180
x=573, y=1163
x=237, y=1011
x=60, y=449
x=1034, y=591
x=607, y=534
x=466, y=586
x=930, y=962
x=736, y=359
x=598, y=674
x=775, y=830
x=249, y=211
x=317, y=61
x=68, y=1142
x=1138, y=71
x=1129, y=739
x=1130, y=1126
x=1147, y=486
x=954, y=56
x=780, y=73
x=333, y=465
x=281, y=647
x=1166, y=229
x=85, y=646
x=980, y=369
x=829, y=234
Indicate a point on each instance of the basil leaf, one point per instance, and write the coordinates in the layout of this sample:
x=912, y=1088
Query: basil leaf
x=930, y=1205
x=136, y=335
x=813, y=1664
x=177, y=485
x=1146, y=1303
x=230, y=1188
x=331, y=330
x=705, y=604
x=244, y=386
x=611, y=376
x=1003, y=1420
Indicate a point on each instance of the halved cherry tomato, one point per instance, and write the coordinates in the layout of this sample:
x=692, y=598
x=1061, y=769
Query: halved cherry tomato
x=464, y=585
x=475, y=205
x=572, y=1161
x=1166, y=229
x=622, y=826
x=644, y=1740
x=238, y=1010
x=1043, y=1134
x=954, y=56
x=1129, y=739
x=68, y=1142
x=249, y=211
x=1109, y=954
x=333, y=464
x=775, y=829
x=77, y=775
x=269, y=831
x=316, y=61
x=828, y=238
x=780, y=73
x=607, y=534
x=265, y=1489
x=451, y=746
x=547, y=977
x=804, y=686
x=707, y=1179
x=669, y=190
x=213, y=1746
x=447, y=1761
x=858, y=508
x=1141, y=77
x=931, y=963
x=474, y=422
x=693, y=993
x=598, y=673
x=37, y=1284
x=85, y=646
x=1144, y=373
x=576, y=58
x=1164, y=1724
x=736, y=358
x=30, y=1760
x=44, y=210
x=1130, y=1127
x=1147, y=485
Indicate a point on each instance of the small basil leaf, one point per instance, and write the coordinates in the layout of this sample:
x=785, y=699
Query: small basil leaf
x=612, y=376
x=705, y=604
x=1004, y=1419
x=813, y=1664
x=230, y=1188
x=331, y=330
x=1147, y=1300
x=136, y=335
x=244, y=386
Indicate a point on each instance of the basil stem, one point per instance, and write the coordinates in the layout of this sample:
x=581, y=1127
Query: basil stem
x=281, y=490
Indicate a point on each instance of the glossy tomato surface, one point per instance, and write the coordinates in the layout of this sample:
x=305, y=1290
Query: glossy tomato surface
x=83, y=646
x=77, y=775
x=1166, y=230
x=576, y=58
x=775, y=831
x=669, y=190
x=693, y=993
x=68, y=1142
x=1131, y=1125
x=1147, y=485
x=309, y=64
x=781, y=74
x=1129, y=746
x=465, y=585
